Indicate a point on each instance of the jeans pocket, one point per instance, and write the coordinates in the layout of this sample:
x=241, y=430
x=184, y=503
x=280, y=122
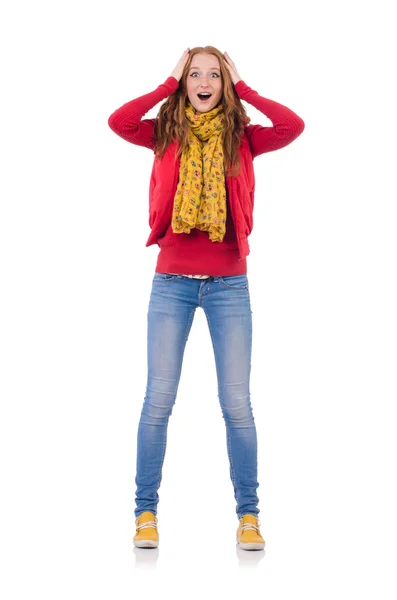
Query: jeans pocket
x=235, y=282
x=164, y=277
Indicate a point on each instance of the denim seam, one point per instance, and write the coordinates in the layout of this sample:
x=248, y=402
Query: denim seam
x=227, y=432
x=188, y=326
x=244, y=287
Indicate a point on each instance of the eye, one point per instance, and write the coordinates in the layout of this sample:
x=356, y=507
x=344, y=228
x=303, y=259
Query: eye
x=196, y=74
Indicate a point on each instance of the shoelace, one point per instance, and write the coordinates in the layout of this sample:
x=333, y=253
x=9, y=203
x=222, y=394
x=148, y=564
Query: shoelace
x=146, y=524
x=251, y=526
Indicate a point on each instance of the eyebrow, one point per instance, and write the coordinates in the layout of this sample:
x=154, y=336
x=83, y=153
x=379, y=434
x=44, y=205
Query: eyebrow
x=212, y=68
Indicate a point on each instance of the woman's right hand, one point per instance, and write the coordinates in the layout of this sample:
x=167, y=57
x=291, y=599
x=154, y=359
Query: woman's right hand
x=177, y=72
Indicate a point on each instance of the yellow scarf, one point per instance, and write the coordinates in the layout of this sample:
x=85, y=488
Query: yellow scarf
x=200, y=199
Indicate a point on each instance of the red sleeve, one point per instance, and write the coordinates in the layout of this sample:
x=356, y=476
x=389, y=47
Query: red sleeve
x=287, y=126
x=127, y=120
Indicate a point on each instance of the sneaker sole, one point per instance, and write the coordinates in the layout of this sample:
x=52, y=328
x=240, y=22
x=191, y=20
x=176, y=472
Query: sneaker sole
x=251, y=546
x=146, y=544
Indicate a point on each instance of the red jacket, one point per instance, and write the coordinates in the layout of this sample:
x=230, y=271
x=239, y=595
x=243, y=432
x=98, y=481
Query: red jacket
x=128, y=123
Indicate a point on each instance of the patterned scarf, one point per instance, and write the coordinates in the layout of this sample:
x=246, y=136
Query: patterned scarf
x=200, y=199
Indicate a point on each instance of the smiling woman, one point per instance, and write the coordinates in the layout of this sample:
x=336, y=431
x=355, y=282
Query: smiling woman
x=201, y=200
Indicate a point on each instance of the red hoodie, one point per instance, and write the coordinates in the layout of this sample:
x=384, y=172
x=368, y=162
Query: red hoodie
x=195, y=253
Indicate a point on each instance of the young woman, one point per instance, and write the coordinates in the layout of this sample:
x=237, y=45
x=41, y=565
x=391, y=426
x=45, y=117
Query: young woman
x=201, y=200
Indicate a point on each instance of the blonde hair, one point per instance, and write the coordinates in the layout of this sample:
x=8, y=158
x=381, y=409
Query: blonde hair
x=172, y=124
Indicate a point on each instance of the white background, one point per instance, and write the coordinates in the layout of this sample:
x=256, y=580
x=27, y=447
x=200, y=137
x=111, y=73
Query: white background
x=75, y=282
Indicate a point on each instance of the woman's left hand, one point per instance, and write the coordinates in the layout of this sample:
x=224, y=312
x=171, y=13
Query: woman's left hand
x=231, y=68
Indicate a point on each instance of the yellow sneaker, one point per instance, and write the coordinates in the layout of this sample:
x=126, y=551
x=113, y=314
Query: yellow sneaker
x=146, y=531
x=248, y=533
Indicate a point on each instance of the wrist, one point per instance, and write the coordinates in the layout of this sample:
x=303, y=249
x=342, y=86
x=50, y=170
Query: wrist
x=173, y=80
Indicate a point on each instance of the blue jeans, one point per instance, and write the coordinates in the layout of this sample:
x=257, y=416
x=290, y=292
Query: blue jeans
x=172, y=305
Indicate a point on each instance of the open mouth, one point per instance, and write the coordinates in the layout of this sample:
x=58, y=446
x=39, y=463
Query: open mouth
x=204, y=97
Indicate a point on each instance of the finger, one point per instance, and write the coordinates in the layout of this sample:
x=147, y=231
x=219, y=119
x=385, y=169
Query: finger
x=228, y=66
x=185, y=54
x=229, y=59
x=183, y=60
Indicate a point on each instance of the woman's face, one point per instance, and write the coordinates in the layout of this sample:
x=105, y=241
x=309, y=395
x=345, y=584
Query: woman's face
x=204, y=82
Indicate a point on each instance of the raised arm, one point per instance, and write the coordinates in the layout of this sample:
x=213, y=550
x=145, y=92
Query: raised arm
x=287, y=126
x=127, y=120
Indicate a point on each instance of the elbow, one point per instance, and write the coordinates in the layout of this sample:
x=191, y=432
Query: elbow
x=118, y=125
x=300, y=126
x=295, y=128
x=112, y=122
x=290, y=130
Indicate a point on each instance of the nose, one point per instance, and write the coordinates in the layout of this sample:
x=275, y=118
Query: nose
x=204, y=82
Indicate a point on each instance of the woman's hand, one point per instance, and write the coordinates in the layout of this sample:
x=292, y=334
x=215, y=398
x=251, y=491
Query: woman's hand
x=231, y=68
x=177, y=72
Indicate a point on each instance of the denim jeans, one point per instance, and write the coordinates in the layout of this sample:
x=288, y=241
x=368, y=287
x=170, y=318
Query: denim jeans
x=172, y=305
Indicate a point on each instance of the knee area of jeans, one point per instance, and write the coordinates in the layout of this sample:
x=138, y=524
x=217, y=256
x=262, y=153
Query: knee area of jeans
x=162, y=390
x=242, y=417
x=152, y=413
x=236, y=409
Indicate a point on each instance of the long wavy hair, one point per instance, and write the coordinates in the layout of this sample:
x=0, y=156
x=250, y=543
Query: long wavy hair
x=172, y=124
